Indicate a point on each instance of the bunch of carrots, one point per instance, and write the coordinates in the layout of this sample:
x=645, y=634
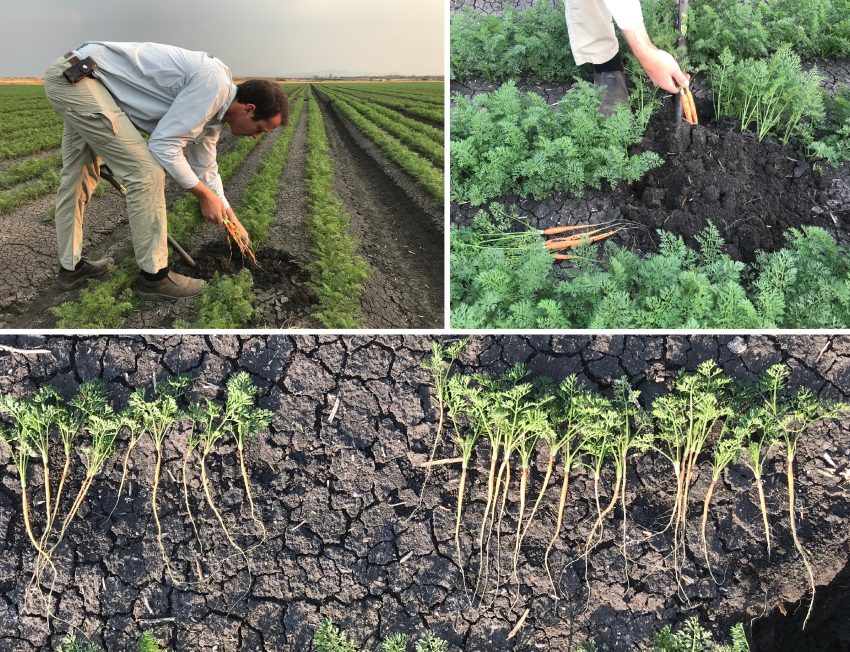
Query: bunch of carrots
x=577, y=235
x=237, y=233
x=689, y=109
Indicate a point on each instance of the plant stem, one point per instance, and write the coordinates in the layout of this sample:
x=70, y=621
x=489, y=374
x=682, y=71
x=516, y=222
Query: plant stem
x=797, y=544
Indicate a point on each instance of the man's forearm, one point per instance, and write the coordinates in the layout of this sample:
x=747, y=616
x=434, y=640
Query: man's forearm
x=639, y=42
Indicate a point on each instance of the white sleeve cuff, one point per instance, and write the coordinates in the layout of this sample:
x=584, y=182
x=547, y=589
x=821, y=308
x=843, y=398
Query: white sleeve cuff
x=627, y=13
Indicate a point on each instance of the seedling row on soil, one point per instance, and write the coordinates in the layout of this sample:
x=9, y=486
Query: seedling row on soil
x=82, y=435
x=402, y=120
x=730, y=216
x=500, y=426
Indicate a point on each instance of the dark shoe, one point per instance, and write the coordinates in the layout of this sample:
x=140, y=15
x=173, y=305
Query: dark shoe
x=614, y=85
x=85, y=270
x=173, y=286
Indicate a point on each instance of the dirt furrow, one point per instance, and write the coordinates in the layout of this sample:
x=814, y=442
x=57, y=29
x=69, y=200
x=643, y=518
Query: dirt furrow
x=287, y=232
x=397, y=236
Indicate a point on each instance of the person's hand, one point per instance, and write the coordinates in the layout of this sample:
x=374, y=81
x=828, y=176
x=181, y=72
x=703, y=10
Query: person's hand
x=658, y=64
x=212, y=208
x=664, y=71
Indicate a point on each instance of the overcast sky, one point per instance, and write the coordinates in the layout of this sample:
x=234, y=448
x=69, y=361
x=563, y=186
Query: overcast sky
x=253, y=37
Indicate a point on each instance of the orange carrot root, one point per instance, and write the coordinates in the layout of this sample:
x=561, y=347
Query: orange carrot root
x=565, y=243
x=689, y=110
x=557, y=230
x=242, y=240
x=562, y=257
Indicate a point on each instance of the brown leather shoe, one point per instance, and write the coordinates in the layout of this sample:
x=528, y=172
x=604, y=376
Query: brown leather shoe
x=86, y=269
x=614, y=85
x=173, y=286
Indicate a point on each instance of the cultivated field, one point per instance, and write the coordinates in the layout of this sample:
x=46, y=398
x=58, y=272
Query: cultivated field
x=344, y=207
x=742, y=220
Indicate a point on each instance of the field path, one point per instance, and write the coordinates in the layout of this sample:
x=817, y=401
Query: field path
x=288, y=233
x=397, y=236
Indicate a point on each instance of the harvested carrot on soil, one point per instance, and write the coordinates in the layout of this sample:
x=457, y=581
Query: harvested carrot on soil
x=575, y=241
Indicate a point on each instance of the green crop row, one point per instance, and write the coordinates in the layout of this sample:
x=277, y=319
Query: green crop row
x=415, y=108
x=227, y=301
x=804, y=285
x=420, y=169
x=534, y=43
x=259, y=202
x=513, y=142
x=393, y=124
x=30, y=141
x=338, y=273
x=29, y=169
x=519, y=43
x=101, y=304
x=22, y=193
x=434, y=133
x=432, y=96
x=29, y=120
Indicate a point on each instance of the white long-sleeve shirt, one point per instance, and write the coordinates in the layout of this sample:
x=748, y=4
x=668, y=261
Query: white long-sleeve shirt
x=627, y=13
x=178, y=96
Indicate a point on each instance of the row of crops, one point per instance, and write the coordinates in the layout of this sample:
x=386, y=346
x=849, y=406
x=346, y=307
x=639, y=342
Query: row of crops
x=752, y=63
x=404, y=120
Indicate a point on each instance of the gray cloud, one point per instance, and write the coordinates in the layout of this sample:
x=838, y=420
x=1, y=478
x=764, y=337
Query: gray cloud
x=260, y=37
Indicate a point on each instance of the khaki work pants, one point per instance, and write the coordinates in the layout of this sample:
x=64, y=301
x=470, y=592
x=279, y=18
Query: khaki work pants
x=591, y=30
x=94, y=129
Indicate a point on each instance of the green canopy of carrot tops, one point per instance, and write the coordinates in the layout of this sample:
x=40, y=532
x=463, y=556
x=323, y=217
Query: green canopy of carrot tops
x=804, y=285
x=514, y=142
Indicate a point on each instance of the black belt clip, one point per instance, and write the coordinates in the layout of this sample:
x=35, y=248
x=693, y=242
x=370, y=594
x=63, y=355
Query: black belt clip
x=79, y=68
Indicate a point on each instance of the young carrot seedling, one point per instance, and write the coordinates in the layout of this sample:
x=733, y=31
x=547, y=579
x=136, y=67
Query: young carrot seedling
x=16, y=439
x=483, y=406
x=247, y=420
x=574, y=412
x=439, y=365
x=635, y=434
x=158, y=416
x=134, y=424
x=791, y=418
x=457, y=402
x=727, y=448
x=685, y=418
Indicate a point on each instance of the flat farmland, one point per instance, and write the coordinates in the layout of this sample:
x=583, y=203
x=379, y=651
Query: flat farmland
x=343, y=205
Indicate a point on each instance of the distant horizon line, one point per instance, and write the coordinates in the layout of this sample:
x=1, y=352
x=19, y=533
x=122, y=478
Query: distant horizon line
x=286, y=77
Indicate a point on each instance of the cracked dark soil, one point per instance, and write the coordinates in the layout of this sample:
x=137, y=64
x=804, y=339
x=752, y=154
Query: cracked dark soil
x=335, y=495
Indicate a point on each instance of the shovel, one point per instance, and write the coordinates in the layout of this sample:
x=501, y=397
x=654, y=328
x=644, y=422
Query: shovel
x=682, y=52
x=106, y=173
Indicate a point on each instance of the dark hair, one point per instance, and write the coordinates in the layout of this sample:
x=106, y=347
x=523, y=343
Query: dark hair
x=268, y=98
